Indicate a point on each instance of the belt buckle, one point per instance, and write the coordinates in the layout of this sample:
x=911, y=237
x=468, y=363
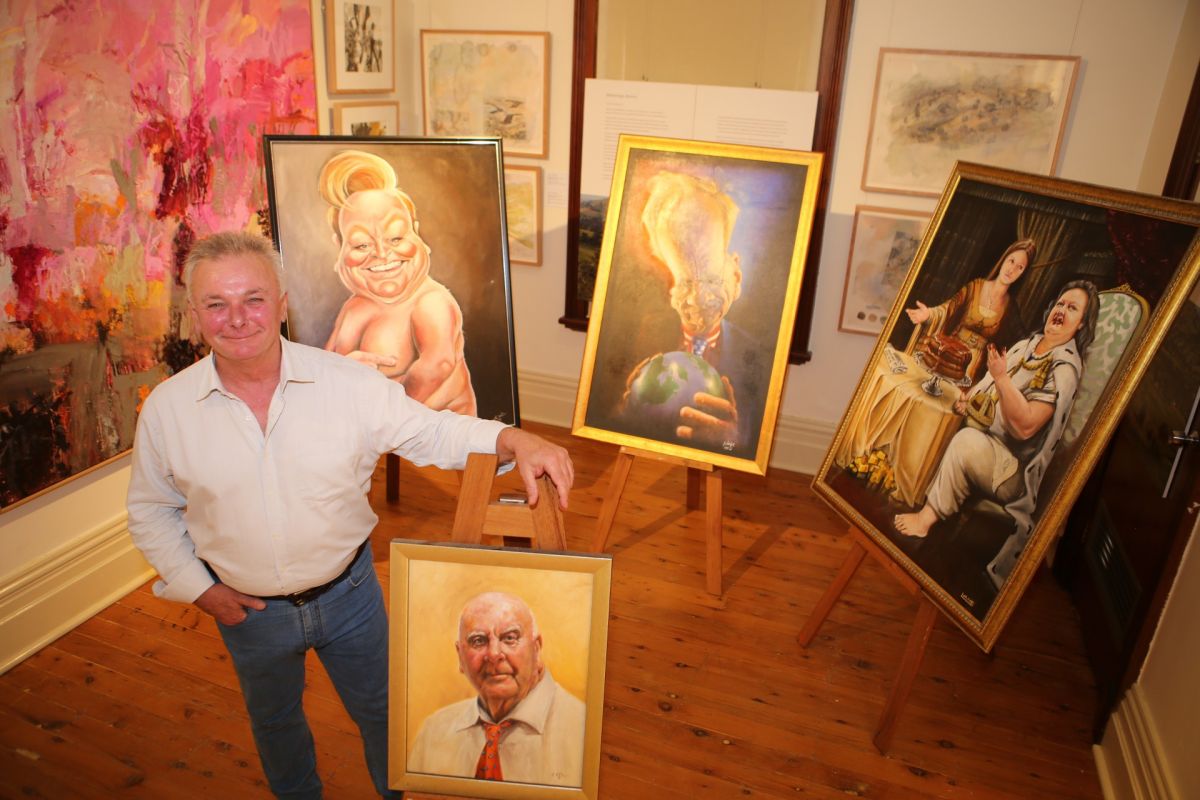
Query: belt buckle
x=300, y=598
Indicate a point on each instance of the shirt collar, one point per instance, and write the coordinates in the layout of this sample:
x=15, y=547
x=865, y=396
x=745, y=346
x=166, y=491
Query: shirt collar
x=531, y=711
x=292, y=369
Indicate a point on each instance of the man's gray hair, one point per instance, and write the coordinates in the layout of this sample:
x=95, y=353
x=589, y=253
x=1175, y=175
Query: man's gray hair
x=232, y=243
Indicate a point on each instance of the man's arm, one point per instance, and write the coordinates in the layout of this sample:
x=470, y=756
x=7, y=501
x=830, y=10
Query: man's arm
x=536, y=457
x=1022, y=418
x=157, y=527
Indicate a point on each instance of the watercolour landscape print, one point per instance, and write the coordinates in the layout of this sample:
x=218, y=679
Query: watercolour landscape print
x=139, y=126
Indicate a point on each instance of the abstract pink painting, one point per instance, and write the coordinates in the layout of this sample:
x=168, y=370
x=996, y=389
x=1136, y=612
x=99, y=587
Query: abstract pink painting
x=130, y=129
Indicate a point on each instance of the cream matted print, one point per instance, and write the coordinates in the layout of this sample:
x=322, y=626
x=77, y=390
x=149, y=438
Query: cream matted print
x=933, y=108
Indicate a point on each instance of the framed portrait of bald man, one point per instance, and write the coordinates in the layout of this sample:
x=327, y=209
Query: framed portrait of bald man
x=395, y=253
x=1032, y=308
x=496, y=670
x=699, y=274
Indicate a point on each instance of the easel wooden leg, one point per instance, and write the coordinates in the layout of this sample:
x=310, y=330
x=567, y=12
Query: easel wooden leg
x=476, y=516
x=693, y=488
x=712, y=528
x=914, y=652
x=391, y=477
x=608, y=510
x=712, y=515
x=832, y=593
x=918, y=638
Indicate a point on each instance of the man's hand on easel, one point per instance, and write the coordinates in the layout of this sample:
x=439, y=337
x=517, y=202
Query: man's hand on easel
x=536, y=457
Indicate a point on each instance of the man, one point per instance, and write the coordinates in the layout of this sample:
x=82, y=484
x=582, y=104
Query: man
x=689, y=224
x=248, y=496
x=1015, y=417
x=521, y=726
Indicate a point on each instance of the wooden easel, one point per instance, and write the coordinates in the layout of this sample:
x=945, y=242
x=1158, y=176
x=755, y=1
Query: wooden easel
x=712, y=504
x=918, y=638
x=476, y=513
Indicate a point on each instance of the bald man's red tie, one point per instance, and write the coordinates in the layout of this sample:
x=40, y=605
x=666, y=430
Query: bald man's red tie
x=488, y=766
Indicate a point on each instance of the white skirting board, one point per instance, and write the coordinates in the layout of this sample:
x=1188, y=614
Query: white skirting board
x=1130, y=760
x=65, y=587
x=799, y=444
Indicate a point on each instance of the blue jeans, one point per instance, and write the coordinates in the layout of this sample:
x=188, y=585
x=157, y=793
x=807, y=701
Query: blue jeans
x=348, y=628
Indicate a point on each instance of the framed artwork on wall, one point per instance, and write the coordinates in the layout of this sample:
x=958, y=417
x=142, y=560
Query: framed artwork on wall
x=366, y=118
x=882, y=245
x=488, y=83
x=548, y=612
x=394, y=250
x=523, y=207
x=120, y=151
x=934, y=107
x=1032, y=308
x=360, y=46
x=700, y=269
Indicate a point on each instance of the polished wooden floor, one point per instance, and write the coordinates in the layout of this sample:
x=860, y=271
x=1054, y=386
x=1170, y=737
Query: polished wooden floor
x=705, y=697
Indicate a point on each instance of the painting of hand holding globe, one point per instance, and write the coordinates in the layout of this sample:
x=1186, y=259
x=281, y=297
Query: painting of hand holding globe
x=688, y=223
x=683, y=347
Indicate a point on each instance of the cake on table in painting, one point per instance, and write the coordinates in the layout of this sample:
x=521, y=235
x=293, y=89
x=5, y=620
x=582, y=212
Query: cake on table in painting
x=947, y=356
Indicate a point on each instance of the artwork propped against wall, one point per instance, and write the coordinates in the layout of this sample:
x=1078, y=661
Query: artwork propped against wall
x=396, y=254
x=1032, y=308
x=132, y=129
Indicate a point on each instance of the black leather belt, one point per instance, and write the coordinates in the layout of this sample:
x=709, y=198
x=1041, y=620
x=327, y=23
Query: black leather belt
x=308, y=595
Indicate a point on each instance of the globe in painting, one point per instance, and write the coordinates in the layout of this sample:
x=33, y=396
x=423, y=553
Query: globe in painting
x=666, y=383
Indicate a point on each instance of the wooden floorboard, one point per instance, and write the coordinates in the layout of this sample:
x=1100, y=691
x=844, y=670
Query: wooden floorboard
x=705, y=696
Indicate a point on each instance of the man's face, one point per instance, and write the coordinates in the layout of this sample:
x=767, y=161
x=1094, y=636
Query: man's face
x=499, y=651
x=382, y=256
x=237, y=306
x=706, y=284
x=1066, y=316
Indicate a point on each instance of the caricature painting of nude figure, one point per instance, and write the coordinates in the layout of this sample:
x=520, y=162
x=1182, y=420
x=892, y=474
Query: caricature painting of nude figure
x=395, y=254
x=1032, y=307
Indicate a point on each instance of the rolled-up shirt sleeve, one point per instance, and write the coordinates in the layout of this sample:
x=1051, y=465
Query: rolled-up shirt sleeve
x=412, y=431
x=156, y=523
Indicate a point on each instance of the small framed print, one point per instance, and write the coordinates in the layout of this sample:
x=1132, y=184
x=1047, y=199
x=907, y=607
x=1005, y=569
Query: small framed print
x=366, y=119
x=523, y=206
x=935, y=107
x=360, y=46
x=883, y=243
x=488, y=83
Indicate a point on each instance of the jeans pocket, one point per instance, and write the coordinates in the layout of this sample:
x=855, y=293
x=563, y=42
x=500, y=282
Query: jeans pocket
x=363, y=568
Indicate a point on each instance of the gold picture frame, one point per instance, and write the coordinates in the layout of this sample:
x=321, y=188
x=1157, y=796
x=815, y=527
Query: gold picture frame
x=501, y=89
x=568, y=596
x=932, y=108
x=360, y=46
x=713, y=220
x=998, y=482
